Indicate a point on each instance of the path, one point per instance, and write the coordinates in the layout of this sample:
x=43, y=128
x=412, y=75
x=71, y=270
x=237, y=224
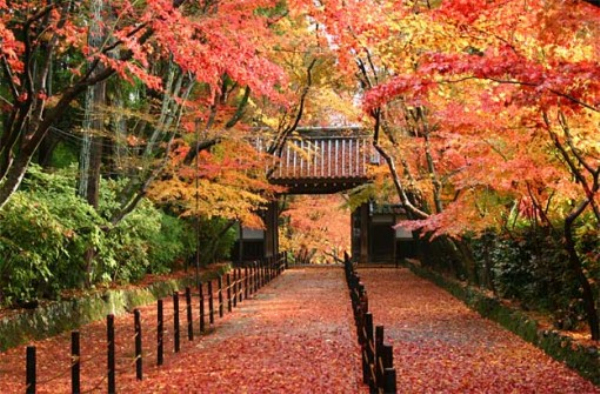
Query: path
x=294, y=336
x=441, y=346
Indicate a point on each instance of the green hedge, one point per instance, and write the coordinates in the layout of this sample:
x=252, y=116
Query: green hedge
x=47, y=234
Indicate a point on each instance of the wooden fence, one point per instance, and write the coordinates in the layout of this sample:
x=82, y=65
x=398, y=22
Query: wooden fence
x=212, y=297
x=377, y=357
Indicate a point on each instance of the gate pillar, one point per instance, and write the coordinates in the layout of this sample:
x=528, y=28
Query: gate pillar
x=364, y=233
x=272, y=231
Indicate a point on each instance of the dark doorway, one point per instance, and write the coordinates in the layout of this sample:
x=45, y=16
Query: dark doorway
x=382, y=242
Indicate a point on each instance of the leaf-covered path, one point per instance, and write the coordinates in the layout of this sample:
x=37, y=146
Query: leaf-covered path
x=294, y=336
x=441, y=346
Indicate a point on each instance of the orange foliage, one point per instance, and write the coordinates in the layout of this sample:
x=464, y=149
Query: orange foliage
x=317, y=225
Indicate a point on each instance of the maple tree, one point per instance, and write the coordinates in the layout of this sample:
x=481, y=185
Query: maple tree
x=221, y=168
x=228, y=182
x=485, y=112
x=211, y=40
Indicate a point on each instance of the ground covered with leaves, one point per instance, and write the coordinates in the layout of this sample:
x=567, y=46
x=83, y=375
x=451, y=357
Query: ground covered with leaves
x=441, y=346
x=293, y=336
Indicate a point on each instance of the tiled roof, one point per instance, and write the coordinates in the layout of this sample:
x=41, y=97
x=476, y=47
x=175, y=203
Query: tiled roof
x=324, y=157
x=332, y=160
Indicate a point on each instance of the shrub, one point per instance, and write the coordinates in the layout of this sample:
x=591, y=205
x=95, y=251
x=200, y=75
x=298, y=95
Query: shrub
x=47, y=230
x=532, y=266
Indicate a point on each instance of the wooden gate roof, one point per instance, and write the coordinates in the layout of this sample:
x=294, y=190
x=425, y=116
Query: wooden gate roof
x=321, y=161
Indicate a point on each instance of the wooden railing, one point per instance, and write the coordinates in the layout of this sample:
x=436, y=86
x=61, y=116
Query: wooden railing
x=242, y=282
x=377, y=358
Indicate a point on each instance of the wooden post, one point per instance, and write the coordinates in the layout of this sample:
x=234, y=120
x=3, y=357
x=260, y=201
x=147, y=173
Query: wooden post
x=271, y=233
x=235, y=287
x=211, y=305
x=240, y=287
x=258, y=274
x=387, y=356
x=159, y=333
x=365, y=363
x=370, y=346
x=30, y=378
x=364, y=233
x=246, y=283
x=176, y=332
x=202, y=319
x=190, y=321
x=254, y=277
x=220, y=282
x=137, y=324
x=389, y=373
x=229, y=292
x=378, y=339
x=390, y=381
x=75, y=363
x=110, y=341
x=379, y=366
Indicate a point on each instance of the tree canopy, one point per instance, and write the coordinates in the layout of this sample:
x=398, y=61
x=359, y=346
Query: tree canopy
x=485, y=112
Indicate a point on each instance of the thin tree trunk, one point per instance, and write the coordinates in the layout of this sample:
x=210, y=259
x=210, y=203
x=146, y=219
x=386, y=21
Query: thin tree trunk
x=91, y=150
x=575, y=263
x=46, y=150
x=437, y=185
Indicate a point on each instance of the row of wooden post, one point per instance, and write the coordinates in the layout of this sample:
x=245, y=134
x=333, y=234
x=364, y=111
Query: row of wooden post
x=255, y=275
x=377, y=358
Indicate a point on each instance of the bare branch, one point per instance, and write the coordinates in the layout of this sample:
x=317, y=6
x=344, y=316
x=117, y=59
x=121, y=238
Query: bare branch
x=239, y=112
x=566, y=130
x=279, y=143
x=392, y=167
x=9, y=79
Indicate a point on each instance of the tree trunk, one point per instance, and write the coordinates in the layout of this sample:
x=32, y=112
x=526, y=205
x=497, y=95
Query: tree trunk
x=465, y=254
x=91, y=150
x=46, y=150
x=14, y=176
x=575, y=263
x=488, y=263
x=119, y=127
